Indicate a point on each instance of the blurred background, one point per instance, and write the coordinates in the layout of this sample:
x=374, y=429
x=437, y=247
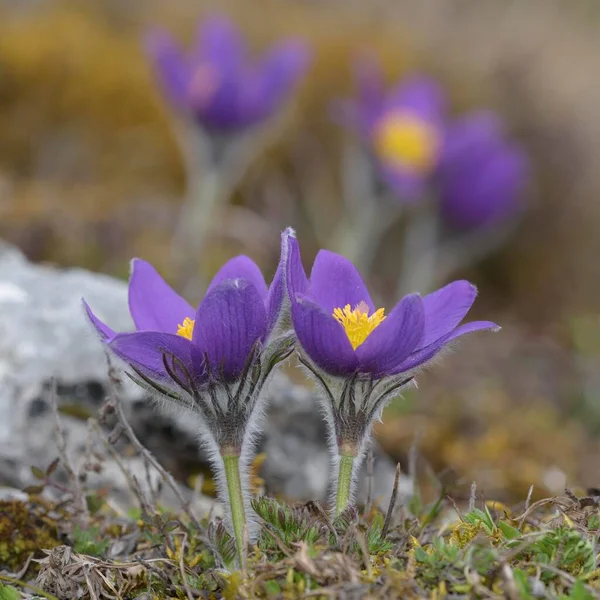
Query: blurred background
x=96, y=167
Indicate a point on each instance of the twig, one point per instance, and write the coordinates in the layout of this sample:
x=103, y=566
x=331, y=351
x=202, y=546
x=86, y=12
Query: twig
x=186, y=585
x=316, y=508
x=528, y=499
x=114, y=383
x=364, y=548
x=472, y=496
x=61, y=447
x=369, y=482
x=413, y=455
x=145, y=505
x=390, y=510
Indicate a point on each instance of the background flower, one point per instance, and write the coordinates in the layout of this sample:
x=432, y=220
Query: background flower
x=481, y=175
x=402, y=128
x=217, y=82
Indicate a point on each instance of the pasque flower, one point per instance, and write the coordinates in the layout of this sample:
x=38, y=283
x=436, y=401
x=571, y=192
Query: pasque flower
x=359, y=356
x=213, y=360
x=481, y=174
x=402, y=128
x=216, y=81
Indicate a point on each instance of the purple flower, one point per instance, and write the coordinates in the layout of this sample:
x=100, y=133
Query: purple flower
x=214, y=359
x=343, y=335
x=218, y=84
x=359, y=357
x=481, y=175
x=402, y=128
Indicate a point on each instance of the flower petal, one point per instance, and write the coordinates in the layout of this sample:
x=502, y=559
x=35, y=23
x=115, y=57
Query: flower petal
x=445, y=309
x=296, y=280
x=481, y=175
x=170, y=65
x=394, y=339
x=219, y=43
x=335, y=282
x=104, y=331
x=274, y=77
x=230, y=320
x=322, y=337
x=276, y=294
x=423, y=355
x=241, y=267
x=420, y=95
x=409, y=185
x=145, y=350
x=370, y=93
x=153, y=304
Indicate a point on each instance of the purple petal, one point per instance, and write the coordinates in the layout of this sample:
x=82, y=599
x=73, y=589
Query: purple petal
x=407, y=184
x=276, y=295
x=145, y=350
x=241, y=267
x=420, y=95
x=445, y=309
x=153, y=304
x=370, y=93
x=322, y=337
x=394, y=340
x=104, y=331
x=219, y=43
x=335, y=282
x=422, y=356
x=296, y=280
x=170, y=65
x=488, y=193
x=478, y=131
x=277, y=74
x=481, y=175
x=218, y=61
x=230, y=320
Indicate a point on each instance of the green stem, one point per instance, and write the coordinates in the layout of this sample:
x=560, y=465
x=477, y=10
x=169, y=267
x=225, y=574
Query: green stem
x=236, y=501
x=344, y=483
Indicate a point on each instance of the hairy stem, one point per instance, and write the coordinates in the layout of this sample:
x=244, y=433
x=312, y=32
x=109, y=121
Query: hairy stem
x=236, y=502
x=344, y=487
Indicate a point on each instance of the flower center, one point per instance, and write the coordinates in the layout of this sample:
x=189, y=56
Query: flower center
x=405, y=140
x=203, y=85
x=357, y=323
x=187, y=329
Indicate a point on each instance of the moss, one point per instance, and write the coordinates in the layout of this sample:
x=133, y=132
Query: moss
x=23, y=532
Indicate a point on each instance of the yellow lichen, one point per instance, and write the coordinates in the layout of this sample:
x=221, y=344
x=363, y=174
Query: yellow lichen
x=22, y=533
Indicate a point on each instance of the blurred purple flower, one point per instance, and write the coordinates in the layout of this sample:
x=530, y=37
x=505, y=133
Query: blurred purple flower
x=402, y=127
x=481, y=174
x=217, y=83
x=343, y=335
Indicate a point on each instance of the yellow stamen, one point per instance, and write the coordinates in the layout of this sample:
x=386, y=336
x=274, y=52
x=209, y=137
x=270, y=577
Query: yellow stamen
x=405, y=140
x=187, y=329
x=357, y=323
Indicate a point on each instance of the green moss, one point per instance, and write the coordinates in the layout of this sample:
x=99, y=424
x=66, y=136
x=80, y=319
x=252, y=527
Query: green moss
x=23, y=532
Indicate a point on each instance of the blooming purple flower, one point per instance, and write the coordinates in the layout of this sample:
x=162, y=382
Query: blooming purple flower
x=217, y=83
x=481, y=174
x=402, y=128
x=359, y=357
x=342, y=334
x=214, y=359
